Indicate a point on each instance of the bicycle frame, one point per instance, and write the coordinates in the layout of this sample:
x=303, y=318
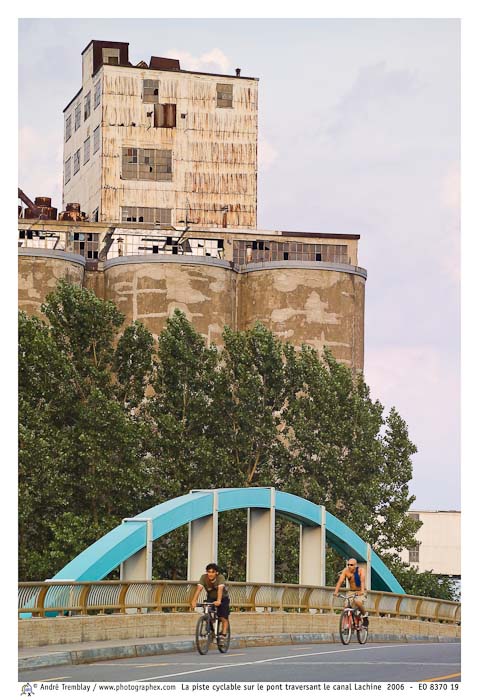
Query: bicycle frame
x=350, y=621
x=212, y=612
x=350, y=609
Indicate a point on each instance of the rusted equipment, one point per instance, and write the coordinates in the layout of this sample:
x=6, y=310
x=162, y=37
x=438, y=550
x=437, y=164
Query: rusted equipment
x=40, y=209
x=26, y=200
x=72, y=213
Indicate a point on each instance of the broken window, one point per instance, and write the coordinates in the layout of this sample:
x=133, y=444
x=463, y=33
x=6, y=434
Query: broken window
x=150, y=90
x=76, y=162
x=165, y=116
x=87, y=106
x=150, y=215
x=96, y=139
x=224, y=95
x=68, y=170
x=86, y=244
x=68, y=127
x=111, y=56
x=288, y=250
x=146, y=164
x=77, y=116
x=97, y=95
x=86, y=151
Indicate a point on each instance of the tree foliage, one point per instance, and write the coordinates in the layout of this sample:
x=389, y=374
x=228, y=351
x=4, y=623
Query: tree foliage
x=82, y=463
x=112, y=422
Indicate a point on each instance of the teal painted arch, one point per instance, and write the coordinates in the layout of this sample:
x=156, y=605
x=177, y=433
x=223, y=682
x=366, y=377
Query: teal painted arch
x=105, y=555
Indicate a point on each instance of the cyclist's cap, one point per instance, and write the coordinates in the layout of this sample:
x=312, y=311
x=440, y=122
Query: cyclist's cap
x=212, y=566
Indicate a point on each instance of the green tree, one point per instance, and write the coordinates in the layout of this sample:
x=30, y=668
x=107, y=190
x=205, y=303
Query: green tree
x=338, y=455
x=82, y=451
x=111, y=425
x=253, y=370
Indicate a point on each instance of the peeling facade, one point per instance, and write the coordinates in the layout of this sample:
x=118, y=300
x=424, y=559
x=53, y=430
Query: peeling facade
x=175, y=144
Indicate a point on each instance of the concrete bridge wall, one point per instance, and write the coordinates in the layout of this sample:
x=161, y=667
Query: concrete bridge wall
x=88, y=628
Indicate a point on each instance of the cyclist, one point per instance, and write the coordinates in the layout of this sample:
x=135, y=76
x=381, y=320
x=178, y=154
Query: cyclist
x=356, y=579
x=216, y=592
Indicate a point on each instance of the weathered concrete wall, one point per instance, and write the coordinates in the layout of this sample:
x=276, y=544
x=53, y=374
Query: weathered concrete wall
x=203, y=289
x=66, y=630
x=307, y=305
x=315, y=303
x=38, y=275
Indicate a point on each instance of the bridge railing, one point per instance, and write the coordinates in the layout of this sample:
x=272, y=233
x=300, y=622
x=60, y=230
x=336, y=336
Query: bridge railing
x=99, y=597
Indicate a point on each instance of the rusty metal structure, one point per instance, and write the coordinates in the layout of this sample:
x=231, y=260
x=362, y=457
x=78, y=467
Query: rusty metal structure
x=40, y=209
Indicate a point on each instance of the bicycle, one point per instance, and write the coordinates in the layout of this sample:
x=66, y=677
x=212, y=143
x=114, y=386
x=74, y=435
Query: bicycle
x=351, y=619
x=208, y=629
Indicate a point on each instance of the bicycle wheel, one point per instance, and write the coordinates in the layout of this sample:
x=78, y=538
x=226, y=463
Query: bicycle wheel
x=202, y=635
x=362, y=634
x=224, y=642
x=345, y=627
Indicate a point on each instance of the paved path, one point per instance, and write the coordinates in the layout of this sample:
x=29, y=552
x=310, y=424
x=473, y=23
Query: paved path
x=376, y=661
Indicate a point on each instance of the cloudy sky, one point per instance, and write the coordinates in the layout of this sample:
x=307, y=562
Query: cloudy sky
x=359, y=132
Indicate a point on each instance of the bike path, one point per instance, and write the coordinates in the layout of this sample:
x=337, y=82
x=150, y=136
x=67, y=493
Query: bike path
x=89, y=652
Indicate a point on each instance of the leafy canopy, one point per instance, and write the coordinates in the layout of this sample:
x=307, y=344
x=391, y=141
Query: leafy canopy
x=113, y=422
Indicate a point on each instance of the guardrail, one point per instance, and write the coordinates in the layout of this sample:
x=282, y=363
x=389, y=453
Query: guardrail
x=100, y=597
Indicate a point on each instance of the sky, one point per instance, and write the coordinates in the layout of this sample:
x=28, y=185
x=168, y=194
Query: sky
x=359, y=133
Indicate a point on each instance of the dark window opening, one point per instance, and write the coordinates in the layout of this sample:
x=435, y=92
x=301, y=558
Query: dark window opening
x=285, y=256
x=318, y=257
x=155, y=249
x=165, y=116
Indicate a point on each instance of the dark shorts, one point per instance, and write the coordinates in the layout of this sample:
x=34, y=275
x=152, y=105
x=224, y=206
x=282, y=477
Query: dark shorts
x=223, y=609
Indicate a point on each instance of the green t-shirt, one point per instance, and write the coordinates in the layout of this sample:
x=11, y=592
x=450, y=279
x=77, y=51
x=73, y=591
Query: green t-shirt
x=211, y=587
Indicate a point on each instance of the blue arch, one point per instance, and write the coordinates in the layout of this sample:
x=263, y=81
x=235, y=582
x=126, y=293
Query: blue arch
x=96, y=562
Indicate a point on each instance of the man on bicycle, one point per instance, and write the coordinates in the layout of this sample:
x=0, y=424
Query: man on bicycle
x=355, y=576
x=216, y=592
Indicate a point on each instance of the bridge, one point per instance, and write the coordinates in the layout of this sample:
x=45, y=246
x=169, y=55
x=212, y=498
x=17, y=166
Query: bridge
x=82, y=602
x=130, y=544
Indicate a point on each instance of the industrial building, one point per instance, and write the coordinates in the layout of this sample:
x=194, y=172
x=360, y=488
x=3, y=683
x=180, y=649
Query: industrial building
x=160, y=212
x=439, y=537
x=154, y=143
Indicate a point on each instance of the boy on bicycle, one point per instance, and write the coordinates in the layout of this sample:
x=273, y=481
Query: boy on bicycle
x=355, y=576
x=216, y=592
